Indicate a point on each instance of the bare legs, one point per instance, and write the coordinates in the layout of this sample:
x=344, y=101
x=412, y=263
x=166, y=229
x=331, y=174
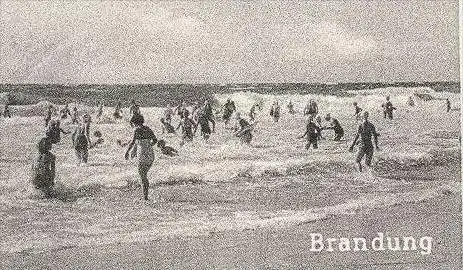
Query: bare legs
x=143, y=172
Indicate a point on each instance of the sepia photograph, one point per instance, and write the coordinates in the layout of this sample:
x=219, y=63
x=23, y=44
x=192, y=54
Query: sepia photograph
x=230, y=134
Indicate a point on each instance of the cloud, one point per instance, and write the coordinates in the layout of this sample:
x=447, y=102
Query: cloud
x=343, y=41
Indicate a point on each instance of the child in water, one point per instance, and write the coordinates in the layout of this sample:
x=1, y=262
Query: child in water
x=187, y=128
x=44, y=168
x=312, y=131
x=166, y=150
x=99, y=139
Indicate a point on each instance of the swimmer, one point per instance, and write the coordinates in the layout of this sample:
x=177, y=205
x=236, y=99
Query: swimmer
x=6, y=111
x=99, y=140
x=81, y=139
x=187, y=126
x=54, y=131
x=447, y=103
x=243, y=130
x=334, y=125
x=100, y=110
x=275, y=111
x=48, y=115
x=167, y=127
x=318, y=122
x=64, y=112
x=44, y=168
x=228, y=109
x=290, y=107
x=312, y=132
x=167, y=150
x=388, y=108
x=209, y=114
x=252, y=112
x=144, y=138
x=168, y=112
x=366, y=130
x=203, y=122
x=358, y=111
x=181, y=109
x=75, y=115
x=134, y=108
x=118, y=111
x=311, y=108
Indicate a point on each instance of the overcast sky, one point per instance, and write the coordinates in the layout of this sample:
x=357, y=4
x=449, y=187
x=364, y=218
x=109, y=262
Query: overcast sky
x=144, y=42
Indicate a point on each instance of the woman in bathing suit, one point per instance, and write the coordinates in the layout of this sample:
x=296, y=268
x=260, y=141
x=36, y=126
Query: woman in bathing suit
x=145, y=139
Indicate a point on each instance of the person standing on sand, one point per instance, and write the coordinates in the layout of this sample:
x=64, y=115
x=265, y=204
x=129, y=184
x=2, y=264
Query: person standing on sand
x=365, y=131
x=312, y=132
x=81, y=139
x=43, y=168
x=144, y=138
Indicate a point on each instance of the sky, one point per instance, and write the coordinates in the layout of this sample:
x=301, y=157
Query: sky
x=125, y=42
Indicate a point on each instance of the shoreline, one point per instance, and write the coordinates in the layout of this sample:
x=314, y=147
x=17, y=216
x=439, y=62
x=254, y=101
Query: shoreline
x=439, y=218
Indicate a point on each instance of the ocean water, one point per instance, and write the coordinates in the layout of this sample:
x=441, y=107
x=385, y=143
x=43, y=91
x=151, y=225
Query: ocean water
x=221, y=185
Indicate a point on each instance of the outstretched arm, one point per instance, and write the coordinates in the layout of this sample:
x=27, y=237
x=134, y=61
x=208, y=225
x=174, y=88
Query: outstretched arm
x=351, y=148
x=375, y=138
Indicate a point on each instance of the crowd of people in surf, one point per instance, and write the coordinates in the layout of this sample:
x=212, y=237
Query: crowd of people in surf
x=190, y=119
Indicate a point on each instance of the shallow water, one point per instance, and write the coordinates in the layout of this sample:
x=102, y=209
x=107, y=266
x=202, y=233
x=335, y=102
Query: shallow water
x=222, y=185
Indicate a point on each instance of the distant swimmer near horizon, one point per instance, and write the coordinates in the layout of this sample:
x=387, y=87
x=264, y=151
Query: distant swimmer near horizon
x=100, y=110
x=365, y=131
x=243, y=130
x=44, y=168
x=6, y=111
x=312, y=132
x=144, y=138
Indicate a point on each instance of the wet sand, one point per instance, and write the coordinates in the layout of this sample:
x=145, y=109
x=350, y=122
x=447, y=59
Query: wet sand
x=439, y=218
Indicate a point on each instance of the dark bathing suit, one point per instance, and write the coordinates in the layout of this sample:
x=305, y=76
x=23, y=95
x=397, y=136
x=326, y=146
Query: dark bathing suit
x=366, y=130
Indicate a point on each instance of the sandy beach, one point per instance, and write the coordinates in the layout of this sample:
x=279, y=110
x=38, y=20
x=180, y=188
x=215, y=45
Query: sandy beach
x=439, y=218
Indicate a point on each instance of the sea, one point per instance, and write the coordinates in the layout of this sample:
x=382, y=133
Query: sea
x=221, y=185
